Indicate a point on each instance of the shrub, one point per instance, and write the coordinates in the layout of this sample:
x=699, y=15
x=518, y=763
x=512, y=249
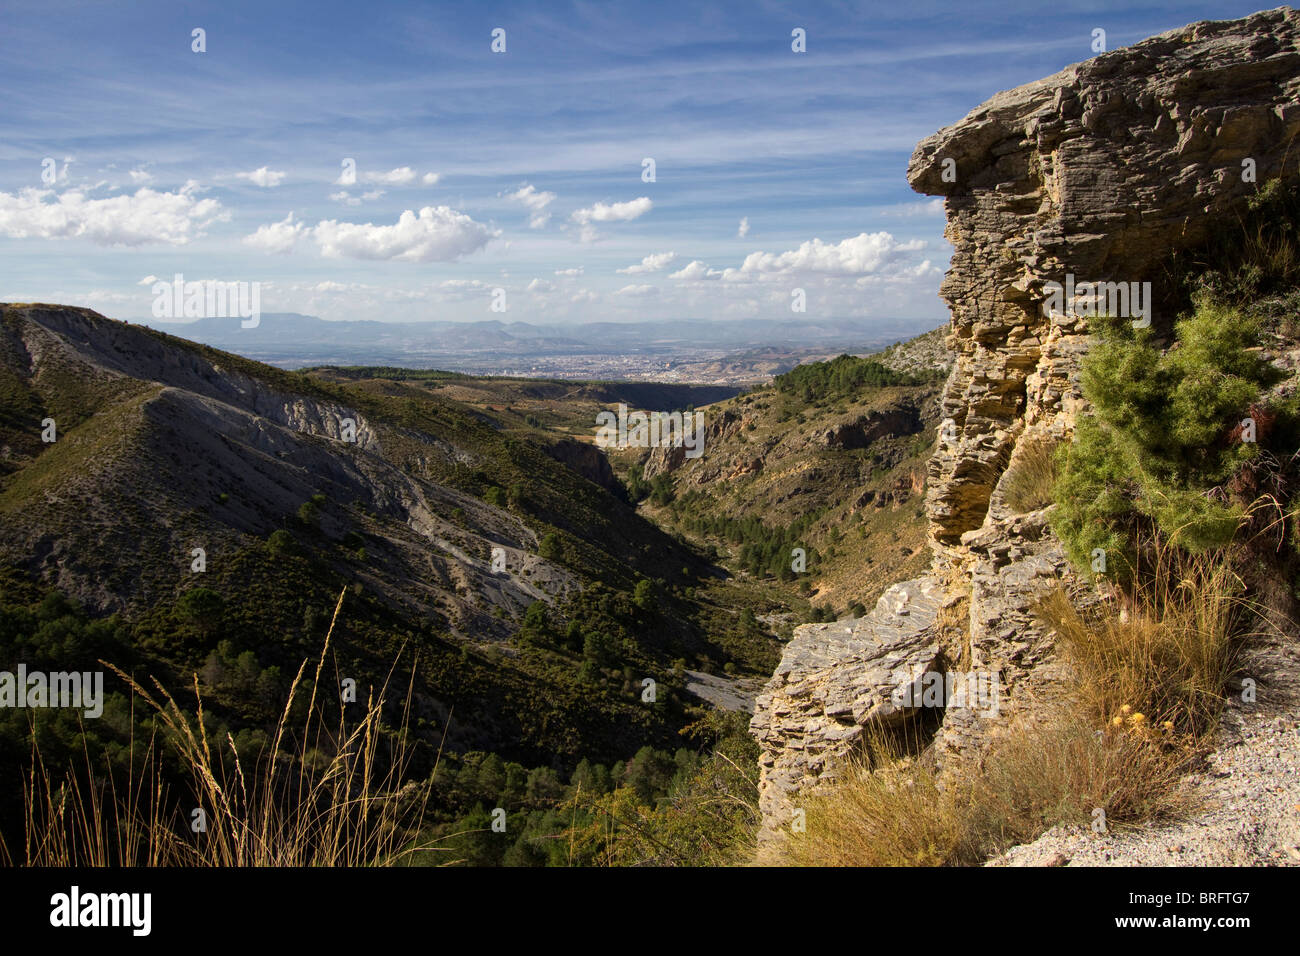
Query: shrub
x=281, y=543
x=202, y=607
x=1155, y=453
x=550, y=547
x=309, y=514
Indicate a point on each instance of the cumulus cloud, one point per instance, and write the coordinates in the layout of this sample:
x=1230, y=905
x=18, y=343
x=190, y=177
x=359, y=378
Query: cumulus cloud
x=921, y=270
x=695, y=270
x=540, y=285
x=862, y=254
x=435, y=234
x=148, y=280
x=536, y=202
x=613, y=212
x=637, y=291
x=583, y=296
x=608, y=212
x=278, y=237
x=145, y=217
x=430, y=179
x=651, y=263
x=264, y=177
x=139, y=176
x=743, y=230
x=394, y=177
x=569, y=273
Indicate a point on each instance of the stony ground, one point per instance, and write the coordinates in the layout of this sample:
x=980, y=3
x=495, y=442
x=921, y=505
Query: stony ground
x=1249, y=808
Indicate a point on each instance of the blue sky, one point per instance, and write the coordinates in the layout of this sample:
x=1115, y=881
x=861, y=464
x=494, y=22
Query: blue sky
x=520, y=170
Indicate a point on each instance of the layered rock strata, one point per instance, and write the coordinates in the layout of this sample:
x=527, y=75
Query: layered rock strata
x=1097, y=174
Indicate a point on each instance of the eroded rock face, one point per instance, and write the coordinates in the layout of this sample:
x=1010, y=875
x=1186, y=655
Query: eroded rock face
x=833, y=681
x=1099, y=172
x=585, y=460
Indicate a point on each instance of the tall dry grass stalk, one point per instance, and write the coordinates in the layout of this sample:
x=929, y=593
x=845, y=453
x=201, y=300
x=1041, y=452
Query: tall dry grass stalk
x=1031, y=479
x=334, y=798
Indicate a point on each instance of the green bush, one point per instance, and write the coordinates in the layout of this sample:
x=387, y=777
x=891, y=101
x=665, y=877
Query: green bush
x=281, y=543
x=1160, y=445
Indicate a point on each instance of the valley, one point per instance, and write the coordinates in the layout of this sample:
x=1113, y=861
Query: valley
x=524, y=583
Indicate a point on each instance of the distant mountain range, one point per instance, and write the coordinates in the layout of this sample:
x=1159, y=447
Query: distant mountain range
x=293, y=339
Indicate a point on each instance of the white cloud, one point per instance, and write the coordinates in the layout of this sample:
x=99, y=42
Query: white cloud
x=569, y=273
x=394, y=177
x=695, y=270
x=264, y=177
x=921, y=270
x=743, y=229
x=613, y=212
x=637, y=291
x=862, y=254
x=540, y=285
x=536, y=203
x=584, y=295
x=148, y=280
x=147, y=216
x=430, y=179
x=912, y=210
x=651, y=263
x=330, y=286
x=278, y=237
x=436, y=234
x=139, y=176
x=607, y=212
x=348, y=199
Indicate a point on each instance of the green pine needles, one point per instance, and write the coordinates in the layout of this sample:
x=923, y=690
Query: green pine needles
x=1168, y=432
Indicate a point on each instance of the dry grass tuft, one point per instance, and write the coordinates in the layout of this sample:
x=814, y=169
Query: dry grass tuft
x=335, y=798
x=1030, y=481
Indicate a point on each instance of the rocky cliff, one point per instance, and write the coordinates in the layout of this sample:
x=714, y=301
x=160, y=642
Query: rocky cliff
x=1096, y=174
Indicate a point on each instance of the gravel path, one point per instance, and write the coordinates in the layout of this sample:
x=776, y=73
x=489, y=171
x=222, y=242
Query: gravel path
x=1248, y=795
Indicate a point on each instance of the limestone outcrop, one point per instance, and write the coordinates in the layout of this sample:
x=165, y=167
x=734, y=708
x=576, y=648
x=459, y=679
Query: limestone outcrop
x=1096, y=174
x=833, y=681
